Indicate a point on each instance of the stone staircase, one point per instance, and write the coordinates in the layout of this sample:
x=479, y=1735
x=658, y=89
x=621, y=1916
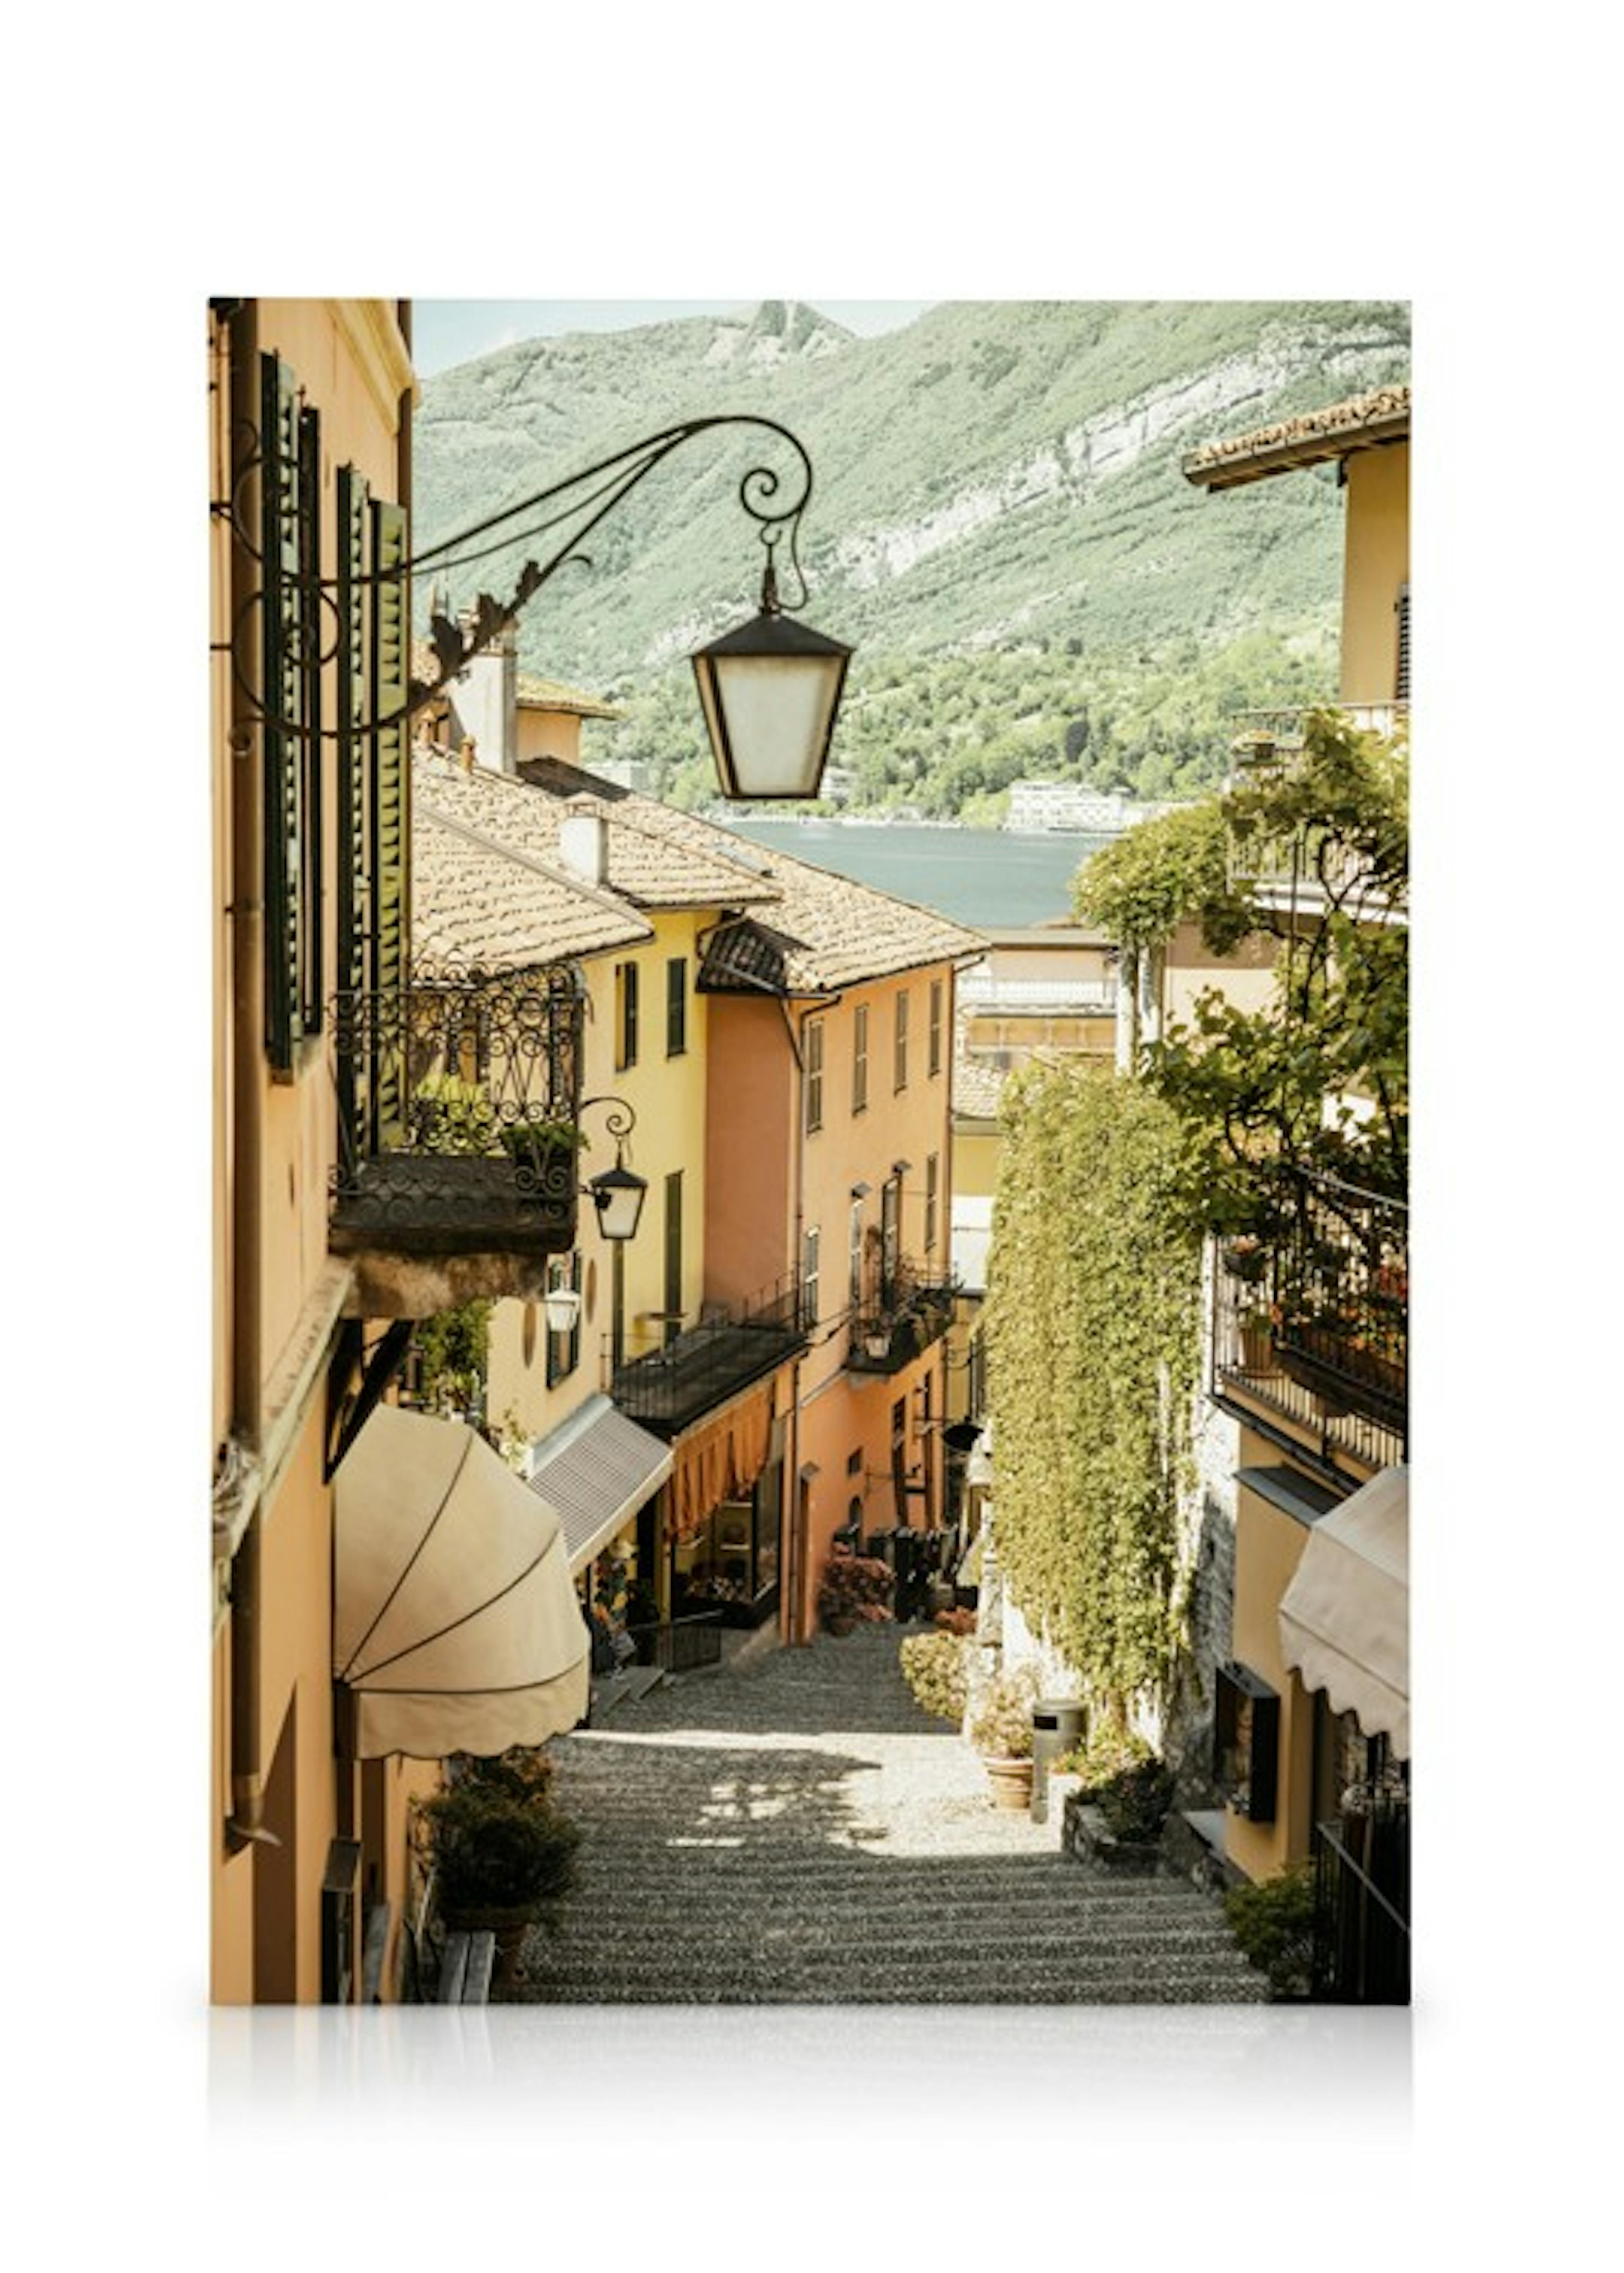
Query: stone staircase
x=796, y=1831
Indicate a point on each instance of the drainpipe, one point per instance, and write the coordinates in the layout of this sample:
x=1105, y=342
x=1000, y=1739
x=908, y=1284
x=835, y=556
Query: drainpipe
x=236, y=359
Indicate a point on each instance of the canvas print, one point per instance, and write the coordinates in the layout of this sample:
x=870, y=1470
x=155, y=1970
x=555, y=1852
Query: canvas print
x=810, y=1261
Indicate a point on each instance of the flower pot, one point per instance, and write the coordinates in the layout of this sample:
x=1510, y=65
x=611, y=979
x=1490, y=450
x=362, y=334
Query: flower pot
x=1257, y=1349
x=509, y=1925
x=1009, y=1783
x=839, y=1623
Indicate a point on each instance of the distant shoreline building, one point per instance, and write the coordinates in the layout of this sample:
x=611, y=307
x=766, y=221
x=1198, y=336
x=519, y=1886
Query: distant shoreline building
x=1066, y=805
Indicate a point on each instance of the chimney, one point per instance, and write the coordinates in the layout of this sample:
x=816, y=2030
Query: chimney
x=583, y=846
x=485, y=697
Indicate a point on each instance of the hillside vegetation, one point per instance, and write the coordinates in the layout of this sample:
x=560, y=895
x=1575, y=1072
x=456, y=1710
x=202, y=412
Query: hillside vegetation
x=1000, y=525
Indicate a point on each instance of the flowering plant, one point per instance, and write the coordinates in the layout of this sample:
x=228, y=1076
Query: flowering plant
x=858, y=1587
x=1002, y=1726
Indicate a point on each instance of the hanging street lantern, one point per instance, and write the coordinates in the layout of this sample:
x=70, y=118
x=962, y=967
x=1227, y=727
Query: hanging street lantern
x=617, y=1196
x=770, y=690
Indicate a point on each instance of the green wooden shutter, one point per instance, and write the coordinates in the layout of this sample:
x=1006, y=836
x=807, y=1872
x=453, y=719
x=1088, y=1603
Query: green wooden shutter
x=1402, y=690
x=355, y=865
x=285, y=685
x=390, y=787
x=311, y=632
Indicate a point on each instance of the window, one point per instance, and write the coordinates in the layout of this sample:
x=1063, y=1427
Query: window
x=890, y=1237
x=673, y=1255
x=859, y=1058
x=901, y=1079
x=934, y=1064
x=930, y=1201
x=1401, y=688
x=854, y=1259
x=814, y=1075
x=564, y=1350
x=677, y=1006
x=809, y=1277
x=625, y=1015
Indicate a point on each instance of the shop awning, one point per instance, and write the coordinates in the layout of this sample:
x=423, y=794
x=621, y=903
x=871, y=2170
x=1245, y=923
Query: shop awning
x=1344, y=1619
x=597, y=1470
x=455, y=1626
x=721, y=1459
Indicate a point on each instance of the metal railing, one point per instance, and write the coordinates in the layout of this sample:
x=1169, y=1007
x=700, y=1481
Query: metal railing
x=705, y=1363
x=457, y=1101
x=679, y=1645
x=1317, y=1327
x=902, y=1316
x=1267, y=743
x=1361, y=1931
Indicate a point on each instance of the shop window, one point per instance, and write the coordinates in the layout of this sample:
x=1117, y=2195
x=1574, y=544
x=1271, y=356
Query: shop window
x=1245, y=1741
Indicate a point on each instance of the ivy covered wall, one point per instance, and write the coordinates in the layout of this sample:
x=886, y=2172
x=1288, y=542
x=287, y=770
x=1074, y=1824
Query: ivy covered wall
x=1093, y=1342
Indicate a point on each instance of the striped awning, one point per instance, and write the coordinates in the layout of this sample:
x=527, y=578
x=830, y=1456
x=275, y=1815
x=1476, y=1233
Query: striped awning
x=597, y=1469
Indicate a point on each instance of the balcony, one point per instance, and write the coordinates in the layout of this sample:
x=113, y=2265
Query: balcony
x=907, y=1313
x=701, y=1367
x=1266, y=744
x=1316, y=1332
x=457, y=1171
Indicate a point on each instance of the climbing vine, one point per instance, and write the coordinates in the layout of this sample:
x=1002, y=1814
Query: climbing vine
x=1093, y=1337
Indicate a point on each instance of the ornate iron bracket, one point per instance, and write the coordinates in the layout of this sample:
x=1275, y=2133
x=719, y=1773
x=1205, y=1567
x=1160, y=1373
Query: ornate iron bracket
x=579, y=503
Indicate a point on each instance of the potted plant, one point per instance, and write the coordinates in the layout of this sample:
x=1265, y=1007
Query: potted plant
x=1001, y=1732
x=501, y=1853
x=535, y=1147
x=1272, y=1919
x=1256, y=1322
x=934, y=1667
x=1246, y=1258
x=855, y=1590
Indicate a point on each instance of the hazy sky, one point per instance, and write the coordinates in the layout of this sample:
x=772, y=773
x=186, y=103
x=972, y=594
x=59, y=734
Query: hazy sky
x=447, y=331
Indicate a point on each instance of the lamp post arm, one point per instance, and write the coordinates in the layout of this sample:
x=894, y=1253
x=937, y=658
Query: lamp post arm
x=594, y=492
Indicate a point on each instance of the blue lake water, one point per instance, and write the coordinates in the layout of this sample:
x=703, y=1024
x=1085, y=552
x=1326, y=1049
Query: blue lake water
x=979, y=876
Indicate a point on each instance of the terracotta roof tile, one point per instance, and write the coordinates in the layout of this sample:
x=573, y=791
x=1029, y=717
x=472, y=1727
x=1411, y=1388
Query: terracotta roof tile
x=1382, y=416
x=477, y=902
x=836, y=932
x=647, y=867
x=552, y=694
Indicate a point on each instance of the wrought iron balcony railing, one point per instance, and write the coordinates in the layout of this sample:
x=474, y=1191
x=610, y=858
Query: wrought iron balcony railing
x=1269, y=743
x=907, y=1313
x=1316, y=1328
x=701, y=1367
x=458, y=1104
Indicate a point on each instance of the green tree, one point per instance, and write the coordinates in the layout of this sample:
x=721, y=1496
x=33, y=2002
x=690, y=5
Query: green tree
x=1311, y=850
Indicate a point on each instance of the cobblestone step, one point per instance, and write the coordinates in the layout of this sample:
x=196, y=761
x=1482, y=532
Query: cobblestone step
x=797, y=1831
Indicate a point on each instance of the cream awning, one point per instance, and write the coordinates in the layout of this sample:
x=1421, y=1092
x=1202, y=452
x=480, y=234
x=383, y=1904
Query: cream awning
x=597, y=1468
x=1344, y=1619
x=455, y=1626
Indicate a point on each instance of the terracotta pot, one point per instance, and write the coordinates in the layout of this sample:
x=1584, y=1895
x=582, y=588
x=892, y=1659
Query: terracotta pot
x=1257, y=1349
x=1009, y=1782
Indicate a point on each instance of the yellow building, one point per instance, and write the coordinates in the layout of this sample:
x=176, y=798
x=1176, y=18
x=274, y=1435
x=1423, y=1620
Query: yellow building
x=1312, y=1709
x=343, y=1206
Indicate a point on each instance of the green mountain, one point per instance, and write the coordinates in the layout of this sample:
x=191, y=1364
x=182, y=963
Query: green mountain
x=998, y=523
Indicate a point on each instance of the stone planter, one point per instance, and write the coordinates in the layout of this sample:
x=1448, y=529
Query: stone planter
x=1009, y=1782
x=1086, y=1837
